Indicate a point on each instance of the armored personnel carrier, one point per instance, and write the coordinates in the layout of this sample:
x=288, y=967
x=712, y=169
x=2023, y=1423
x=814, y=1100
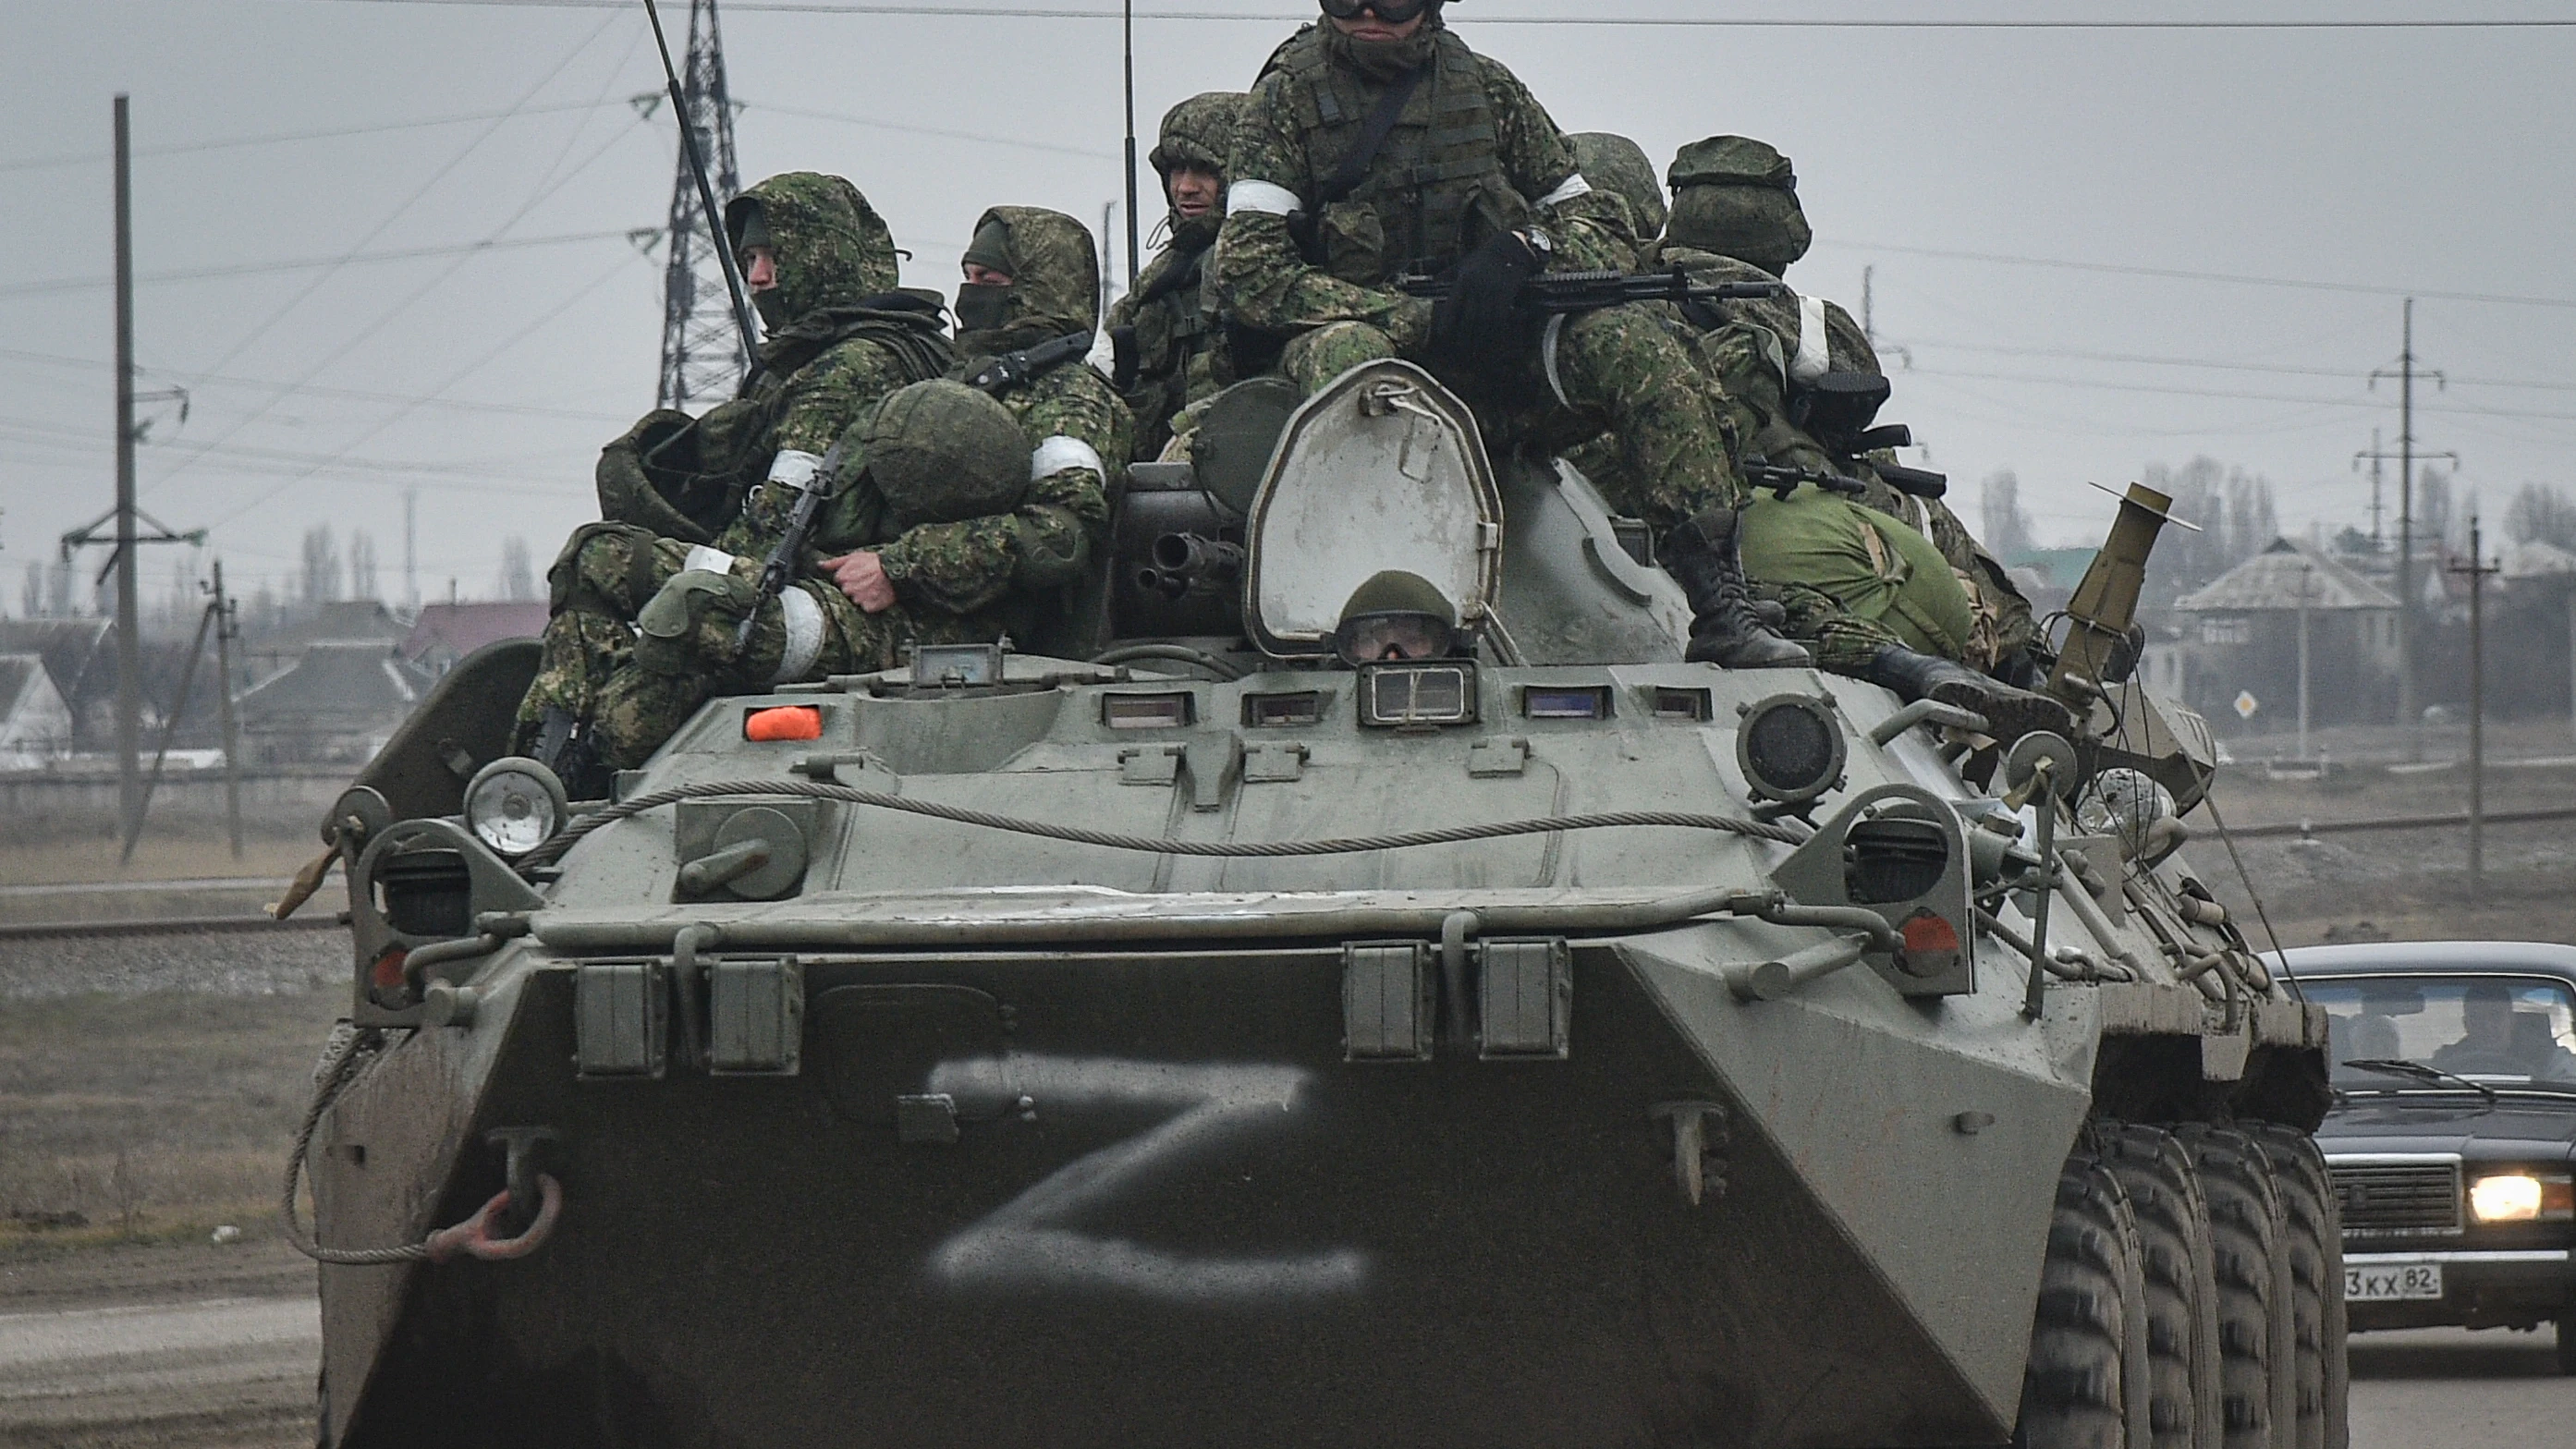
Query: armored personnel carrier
x=1368, y=991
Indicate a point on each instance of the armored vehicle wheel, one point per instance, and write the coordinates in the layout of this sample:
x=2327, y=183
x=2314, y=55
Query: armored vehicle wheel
x=2181, y=1280
x=2246, y=1229
x=2086, y=1383
x=2567, y=1345
x=2314, y=1248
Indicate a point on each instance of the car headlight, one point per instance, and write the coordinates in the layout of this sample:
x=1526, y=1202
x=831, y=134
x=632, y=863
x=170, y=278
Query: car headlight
x=2522, y=1197
x=514, y=805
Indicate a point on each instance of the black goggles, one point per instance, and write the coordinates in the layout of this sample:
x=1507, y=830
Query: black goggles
x=1393, y=12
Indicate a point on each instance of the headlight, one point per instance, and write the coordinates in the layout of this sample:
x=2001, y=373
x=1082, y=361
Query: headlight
x=2522, y=1197
x=514, y=805
x=1790, y=748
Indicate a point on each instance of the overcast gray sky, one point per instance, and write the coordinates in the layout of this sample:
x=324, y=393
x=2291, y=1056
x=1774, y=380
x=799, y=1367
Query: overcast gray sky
x=2356, y=160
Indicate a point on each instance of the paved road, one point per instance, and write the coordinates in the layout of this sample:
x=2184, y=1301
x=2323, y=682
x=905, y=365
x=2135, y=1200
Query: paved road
x=238, y=1373
x=2445, y=1386
x=231, y=1372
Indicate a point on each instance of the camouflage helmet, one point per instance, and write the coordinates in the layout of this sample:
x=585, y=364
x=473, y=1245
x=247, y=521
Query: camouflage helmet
x=1737, y=197
x=1055, y=277
x=1198, y=132
x=943, y=452
x=1618, y=165
x=832, y=247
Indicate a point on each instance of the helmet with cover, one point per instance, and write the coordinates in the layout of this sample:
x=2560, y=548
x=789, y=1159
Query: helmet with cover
x=943, y=452
x=1737, y=197
x=1618, y=165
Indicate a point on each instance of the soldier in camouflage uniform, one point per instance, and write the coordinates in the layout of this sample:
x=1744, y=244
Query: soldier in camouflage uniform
x=892, y=582
x=1470, y=179
x=822, y=271
x=1903, y=607
x=1165, y=341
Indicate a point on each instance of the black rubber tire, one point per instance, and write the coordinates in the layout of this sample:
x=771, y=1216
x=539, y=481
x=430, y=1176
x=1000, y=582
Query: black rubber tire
x=2314, y=1247
x=2567, y=1345
x=2085, y=1383
x=2244, y=1227
x=2181, y=1280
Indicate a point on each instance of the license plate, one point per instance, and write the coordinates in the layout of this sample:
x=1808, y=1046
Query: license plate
x=2392, y=1283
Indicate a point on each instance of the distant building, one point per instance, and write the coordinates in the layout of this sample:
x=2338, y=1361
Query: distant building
x=445, y=633
x=35, y=720
x=336, y=703
x=80, y=658
x=2239, y=636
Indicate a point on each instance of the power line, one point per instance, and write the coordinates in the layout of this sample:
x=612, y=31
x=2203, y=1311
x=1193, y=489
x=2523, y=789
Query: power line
x=2215, y=365
x=513, y=340
x=2170, y=274
x=344, y=259
x=386, y=318
x=1025, y=12
x=218, y=380
x=2233, y=396
x=910, y=130
x=183, y=148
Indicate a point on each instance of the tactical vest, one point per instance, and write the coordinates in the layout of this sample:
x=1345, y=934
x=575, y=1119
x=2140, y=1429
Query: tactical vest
x=1411, y=213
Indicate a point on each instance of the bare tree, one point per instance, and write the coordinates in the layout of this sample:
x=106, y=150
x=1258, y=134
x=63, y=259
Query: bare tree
x=362, y=565
x=2008, y=527
x=321, y=580
x=2540, y=513
x=518, y=576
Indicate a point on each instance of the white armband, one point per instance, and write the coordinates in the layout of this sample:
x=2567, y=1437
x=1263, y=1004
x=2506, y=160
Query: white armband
x=1262, y=196
x=1103, y=355
x=713, y=560
x=1058, y=453
x=804, y=620
x=1814, y=357
x=1570, y=188
x=795, y=469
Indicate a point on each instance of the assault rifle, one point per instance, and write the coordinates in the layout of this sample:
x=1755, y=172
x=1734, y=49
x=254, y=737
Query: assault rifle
x=1017, y=369
x=1783, y=480
x=787, y=557
x=1557, y=293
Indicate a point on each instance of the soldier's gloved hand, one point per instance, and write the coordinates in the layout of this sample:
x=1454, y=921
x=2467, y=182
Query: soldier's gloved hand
x=1478, y=330
x=863, y=578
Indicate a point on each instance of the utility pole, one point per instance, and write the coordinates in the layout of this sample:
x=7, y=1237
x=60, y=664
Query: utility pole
x=2304, y=580
x=122, y=518
x=1108, y=217
x=129, y=643
x=2410, y=712
x=702, y=356
x=2377, y=509
x=411, y=555
x=2477, y=571
x=227, y=629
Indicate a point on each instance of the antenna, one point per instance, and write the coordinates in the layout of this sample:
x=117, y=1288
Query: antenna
x=1128, y=36
x=702, y=356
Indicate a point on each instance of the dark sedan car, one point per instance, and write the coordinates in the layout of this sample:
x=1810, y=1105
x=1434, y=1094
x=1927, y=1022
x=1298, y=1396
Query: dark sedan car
x=2453, y=1137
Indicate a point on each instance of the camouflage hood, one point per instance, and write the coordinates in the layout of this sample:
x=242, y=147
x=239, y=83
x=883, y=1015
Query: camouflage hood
x=1737, y=197
x=1618, y=165
x=833, y=249
x=1197, y=133
x=1055, y=280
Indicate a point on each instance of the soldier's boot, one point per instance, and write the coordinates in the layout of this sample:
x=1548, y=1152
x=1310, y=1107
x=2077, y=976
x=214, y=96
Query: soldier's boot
x=2010, y=713
x=568, y=744
x=1727, y=627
